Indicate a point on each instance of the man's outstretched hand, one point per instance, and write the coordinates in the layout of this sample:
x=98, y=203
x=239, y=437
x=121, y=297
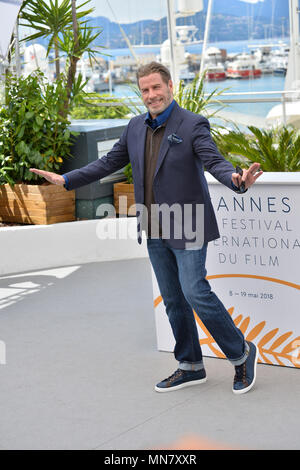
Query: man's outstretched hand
x=249, y=176
x=53, y=178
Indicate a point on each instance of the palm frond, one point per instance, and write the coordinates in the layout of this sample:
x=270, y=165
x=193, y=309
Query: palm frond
x=193, y=97
x=275, y=150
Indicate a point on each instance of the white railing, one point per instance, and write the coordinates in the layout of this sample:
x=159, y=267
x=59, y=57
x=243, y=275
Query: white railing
x=282, y=97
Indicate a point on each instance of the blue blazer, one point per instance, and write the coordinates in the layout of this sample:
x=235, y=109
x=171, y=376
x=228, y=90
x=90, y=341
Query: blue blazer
x=179, y=175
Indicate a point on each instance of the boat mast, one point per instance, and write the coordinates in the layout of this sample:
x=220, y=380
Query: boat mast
x=293, y=73
x=172, y=39
x=17, y=49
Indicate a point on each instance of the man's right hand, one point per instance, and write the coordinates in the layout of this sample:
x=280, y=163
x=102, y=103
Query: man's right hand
x=53, y=178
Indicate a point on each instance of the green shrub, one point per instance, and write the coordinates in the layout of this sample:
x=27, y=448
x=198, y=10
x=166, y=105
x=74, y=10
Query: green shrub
x=192, y=96
x=33, y=129
x=128, y=173
x=276, y=149
x=87, y=111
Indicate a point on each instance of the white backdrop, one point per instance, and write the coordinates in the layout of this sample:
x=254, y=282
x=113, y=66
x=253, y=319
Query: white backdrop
x=254, y=268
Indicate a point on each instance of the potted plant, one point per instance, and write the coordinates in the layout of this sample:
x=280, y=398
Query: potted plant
x=33, y=133
x=277, y=149
x=34, y=120
x=124, y=200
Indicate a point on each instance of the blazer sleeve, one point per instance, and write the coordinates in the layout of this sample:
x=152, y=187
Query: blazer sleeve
x=205, y=148
x=114, y=160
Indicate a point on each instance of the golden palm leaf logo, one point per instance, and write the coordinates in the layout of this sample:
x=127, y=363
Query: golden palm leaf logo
x=273, y=347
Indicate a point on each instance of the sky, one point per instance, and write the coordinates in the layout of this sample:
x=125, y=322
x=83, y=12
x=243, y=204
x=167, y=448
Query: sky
x=128, y=11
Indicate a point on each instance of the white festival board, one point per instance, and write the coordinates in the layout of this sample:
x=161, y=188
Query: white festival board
x=253, y=268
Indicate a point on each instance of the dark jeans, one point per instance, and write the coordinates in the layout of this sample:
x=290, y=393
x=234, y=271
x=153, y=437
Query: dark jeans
x=181, y=279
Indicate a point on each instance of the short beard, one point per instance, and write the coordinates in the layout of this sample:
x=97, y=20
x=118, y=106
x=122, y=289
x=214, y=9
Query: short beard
x=167, y=103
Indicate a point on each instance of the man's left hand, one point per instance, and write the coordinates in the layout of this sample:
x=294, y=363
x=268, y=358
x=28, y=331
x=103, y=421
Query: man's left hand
x=249, y=176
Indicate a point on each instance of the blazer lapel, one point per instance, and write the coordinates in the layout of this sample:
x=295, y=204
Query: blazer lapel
x=173, y=123
x=141, y=139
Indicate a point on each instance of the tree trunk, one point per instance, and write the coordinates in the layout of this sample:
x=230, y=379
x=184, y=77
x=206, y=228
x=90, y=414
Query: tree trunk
x=57, y=64
x=73, y=59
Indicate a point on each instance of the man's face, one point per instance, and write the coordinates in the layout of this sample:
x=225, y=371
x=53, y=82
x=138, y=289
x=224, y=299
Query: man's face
x=156, y=94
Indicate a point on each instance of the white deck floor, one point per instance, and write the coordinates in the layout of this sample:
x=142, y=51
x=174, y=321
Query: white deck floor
x=81, y=365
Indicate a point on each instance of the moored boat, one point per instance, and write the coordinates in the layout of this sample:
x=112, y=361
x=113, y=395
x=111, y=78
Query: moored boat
x=243, y=67
x=215, y=73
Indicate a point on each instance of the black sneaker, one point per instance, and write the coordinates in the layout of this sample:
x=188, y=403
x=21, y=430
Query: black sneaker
x=180, y=379
x=245, y=374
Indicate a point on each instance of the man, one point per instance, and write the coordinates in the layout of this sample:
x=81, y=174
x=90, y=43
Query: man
x=168, y=148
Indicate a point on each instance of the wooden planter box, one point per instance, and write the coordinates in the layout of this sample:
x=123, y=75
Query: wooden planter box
x=36, y=204
x=123, y=206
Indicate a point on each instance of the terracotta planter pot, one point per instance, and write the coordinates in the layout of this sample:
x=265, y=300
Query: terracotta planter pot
x=36, y=204
x=124, y=206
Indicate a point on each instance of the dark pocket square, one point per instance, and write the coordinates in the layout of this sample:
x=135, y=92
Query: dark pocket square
x=174, y=139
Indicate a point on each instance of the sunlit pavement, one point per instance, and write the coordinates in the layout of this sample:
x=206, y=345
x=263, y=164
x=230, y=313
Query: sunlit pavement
x=78, y=365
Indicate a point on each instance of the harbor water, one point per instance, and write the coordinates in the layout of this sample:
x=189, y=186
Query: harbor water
x=262, y=84
x=265, y=83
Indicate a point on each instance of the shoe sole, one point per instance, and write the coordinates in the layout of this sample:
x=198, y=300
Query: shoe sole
x=178, y=387
x=245, y=390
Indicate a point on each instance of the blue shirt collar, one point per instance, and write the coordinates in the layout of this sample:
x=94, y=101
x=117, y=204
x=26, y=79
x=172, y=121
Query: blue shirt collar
x=161, y=118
